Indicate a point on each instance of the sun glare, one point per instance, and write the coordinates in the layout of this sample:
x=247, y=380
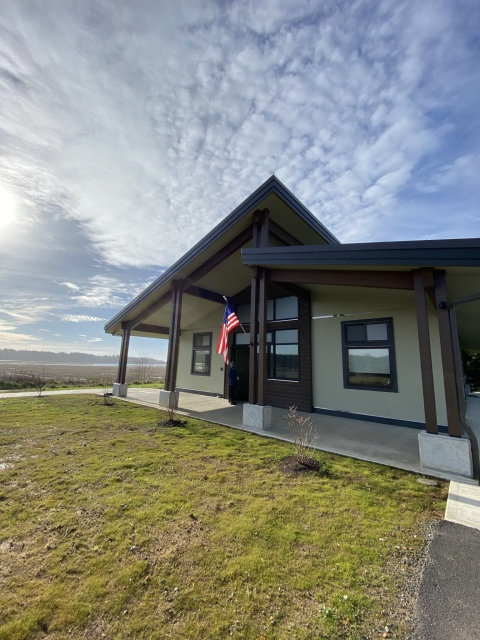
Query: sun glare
x=7, y=206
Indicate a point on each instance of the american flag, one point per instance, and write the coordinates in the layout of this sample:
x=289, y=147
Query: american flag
x=230, y=321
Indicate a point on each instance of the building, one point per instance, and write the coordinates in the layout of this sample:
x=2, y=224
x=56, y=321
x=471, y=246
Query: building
x=371, y=331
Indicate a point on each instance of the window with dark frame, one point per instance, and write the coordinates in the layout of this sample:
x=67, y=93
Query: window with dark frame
x=277, y=309
x=282, y=355
x=202, y=354
x=369, y=355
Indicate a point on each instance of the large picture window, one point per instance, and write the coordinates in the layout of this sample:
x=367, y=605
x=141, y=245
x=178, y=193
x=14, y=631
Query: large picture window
x=282, y=355
x=369, y=355
x=202, y=354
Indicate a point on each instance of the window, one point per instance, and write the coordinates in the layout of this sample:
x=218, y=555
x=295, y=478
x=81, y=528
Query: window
x=282, y=355
x=369, y=355
x=202, y=354
x=278, y=309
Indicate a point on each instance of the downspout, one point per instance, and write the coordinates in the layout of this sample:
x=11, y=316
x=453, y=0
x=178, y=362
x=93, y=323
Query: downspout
x=460, y=386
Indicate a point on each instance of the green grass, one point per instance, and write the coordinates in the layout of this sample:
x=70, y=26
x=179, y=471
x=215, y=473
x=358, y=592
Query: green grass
x=59, y=386
x=113, y=527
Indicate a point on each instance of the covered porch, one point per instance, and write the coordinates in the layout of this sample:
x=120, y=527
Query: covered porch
x=271, y=248
x=374, y=442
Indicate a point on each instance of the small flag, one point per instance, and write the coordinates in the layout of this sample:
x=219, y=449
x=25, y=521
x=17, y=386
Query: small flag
x=230, y=321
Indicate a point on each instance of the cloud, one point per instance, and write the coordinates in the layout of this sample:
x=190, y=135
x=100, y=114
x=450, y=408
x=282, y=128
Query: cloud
x=21, y=311
x=82, y=335
x=106, y=291
x=10, y=338
x=69, y=317
x=463, y=170
x=95, y=340
x=147, y=126
x=70, y=285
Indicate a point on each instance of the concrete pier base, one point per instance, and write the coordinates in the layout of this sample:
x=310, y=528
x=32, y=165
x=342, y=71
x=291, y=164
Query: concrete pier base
x=444, y=454
x=257, y=416
x=120, y=390
x=168, y=399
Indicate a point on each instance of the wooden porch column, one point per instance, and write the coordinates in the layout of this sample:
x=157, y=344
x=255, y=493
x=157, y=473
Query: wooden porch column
x=258, y=299
x=419, y=282
x=262, y=338
x=252, y=375
x=174, y=336
x=448, y=362
x=122, y=361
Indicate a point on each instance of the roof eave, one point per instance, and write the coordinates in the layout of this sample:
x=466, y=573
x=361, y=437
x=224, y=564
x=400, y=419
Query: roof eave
x=433, y=253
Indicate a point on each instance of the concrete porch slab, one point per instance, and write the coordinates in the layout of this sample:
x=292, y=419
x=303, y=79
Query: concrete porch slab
x=373, y=442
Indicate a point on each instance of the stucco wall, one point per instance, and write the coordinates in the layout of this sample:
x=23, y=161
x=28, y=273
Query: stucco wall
x=214, y=382
x=327, y=366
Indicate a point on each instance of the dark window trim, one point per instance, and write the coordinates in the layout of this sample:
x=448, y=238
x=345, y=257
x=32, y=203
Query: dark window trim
x=194, y=348
x=273, y=343
x=386, y=344
x=274, y=300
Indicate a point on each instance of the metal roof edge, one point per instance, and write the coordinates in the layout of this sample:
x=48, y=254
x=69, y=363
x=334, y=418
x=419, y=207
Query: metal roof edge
x=396, y=245
x=461, y=251
x=271, y=185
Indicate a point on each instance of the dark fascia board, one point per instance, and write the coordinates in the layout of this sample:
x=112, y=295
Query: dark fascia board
x=272, y=185
x=433, y=253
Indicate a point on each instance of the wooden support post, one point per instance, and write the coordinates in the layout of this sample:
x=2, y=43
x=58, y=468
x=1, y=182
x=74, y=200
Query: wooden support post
x=122, y=363
x=448, y=362
x=252, y=375
x=120, y=358
x=262, y=338
x=258, y=315
x=425, y=353
x=174, y=336
x=459, y=366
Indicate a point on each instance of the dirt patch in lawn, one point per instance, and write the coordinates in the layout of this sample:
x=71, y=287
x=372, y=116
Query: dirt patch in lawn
x=295, y=466
x=170, y=422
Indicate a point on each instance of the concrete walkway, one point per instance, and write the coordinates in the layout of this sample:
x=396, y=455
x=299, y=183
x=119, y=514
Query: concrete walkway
x=463, y=504
x=34, y=394
x=383, y=444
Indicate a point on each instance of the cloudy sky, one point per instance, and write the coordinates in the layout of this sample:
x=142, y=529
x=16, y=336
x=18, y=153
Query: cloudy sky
x=129, y=128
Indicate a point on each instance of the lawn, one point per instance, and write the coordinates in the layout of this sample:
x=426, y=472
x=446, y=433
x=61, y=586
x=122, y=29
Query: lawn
x=115, y=527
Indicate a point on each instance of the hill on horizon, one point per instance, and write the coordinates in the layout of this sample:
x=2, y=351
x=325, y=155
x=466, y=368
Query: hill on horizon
x=77, y=357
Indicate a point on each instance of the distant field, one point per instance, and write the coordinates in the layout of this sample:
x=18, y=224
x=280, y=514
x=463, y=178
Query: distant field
x=18, y=374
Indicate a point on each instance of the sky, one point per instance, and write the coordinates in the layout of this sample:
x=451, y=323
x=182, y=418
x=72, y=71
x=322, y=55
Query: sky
x=128, y=129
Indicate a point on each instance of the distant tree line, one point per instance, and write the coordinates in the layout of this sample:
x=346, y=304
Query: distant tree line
x=25, y=355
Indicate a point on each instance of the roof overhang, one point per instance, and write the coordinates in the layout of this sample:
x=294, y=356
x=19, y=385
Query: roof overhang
x=418, y=253
x=382, y=265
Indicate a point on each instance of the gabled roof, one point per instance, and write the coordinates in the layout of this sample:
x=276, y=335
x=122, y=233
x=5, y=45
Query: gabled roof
x=270, y=186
